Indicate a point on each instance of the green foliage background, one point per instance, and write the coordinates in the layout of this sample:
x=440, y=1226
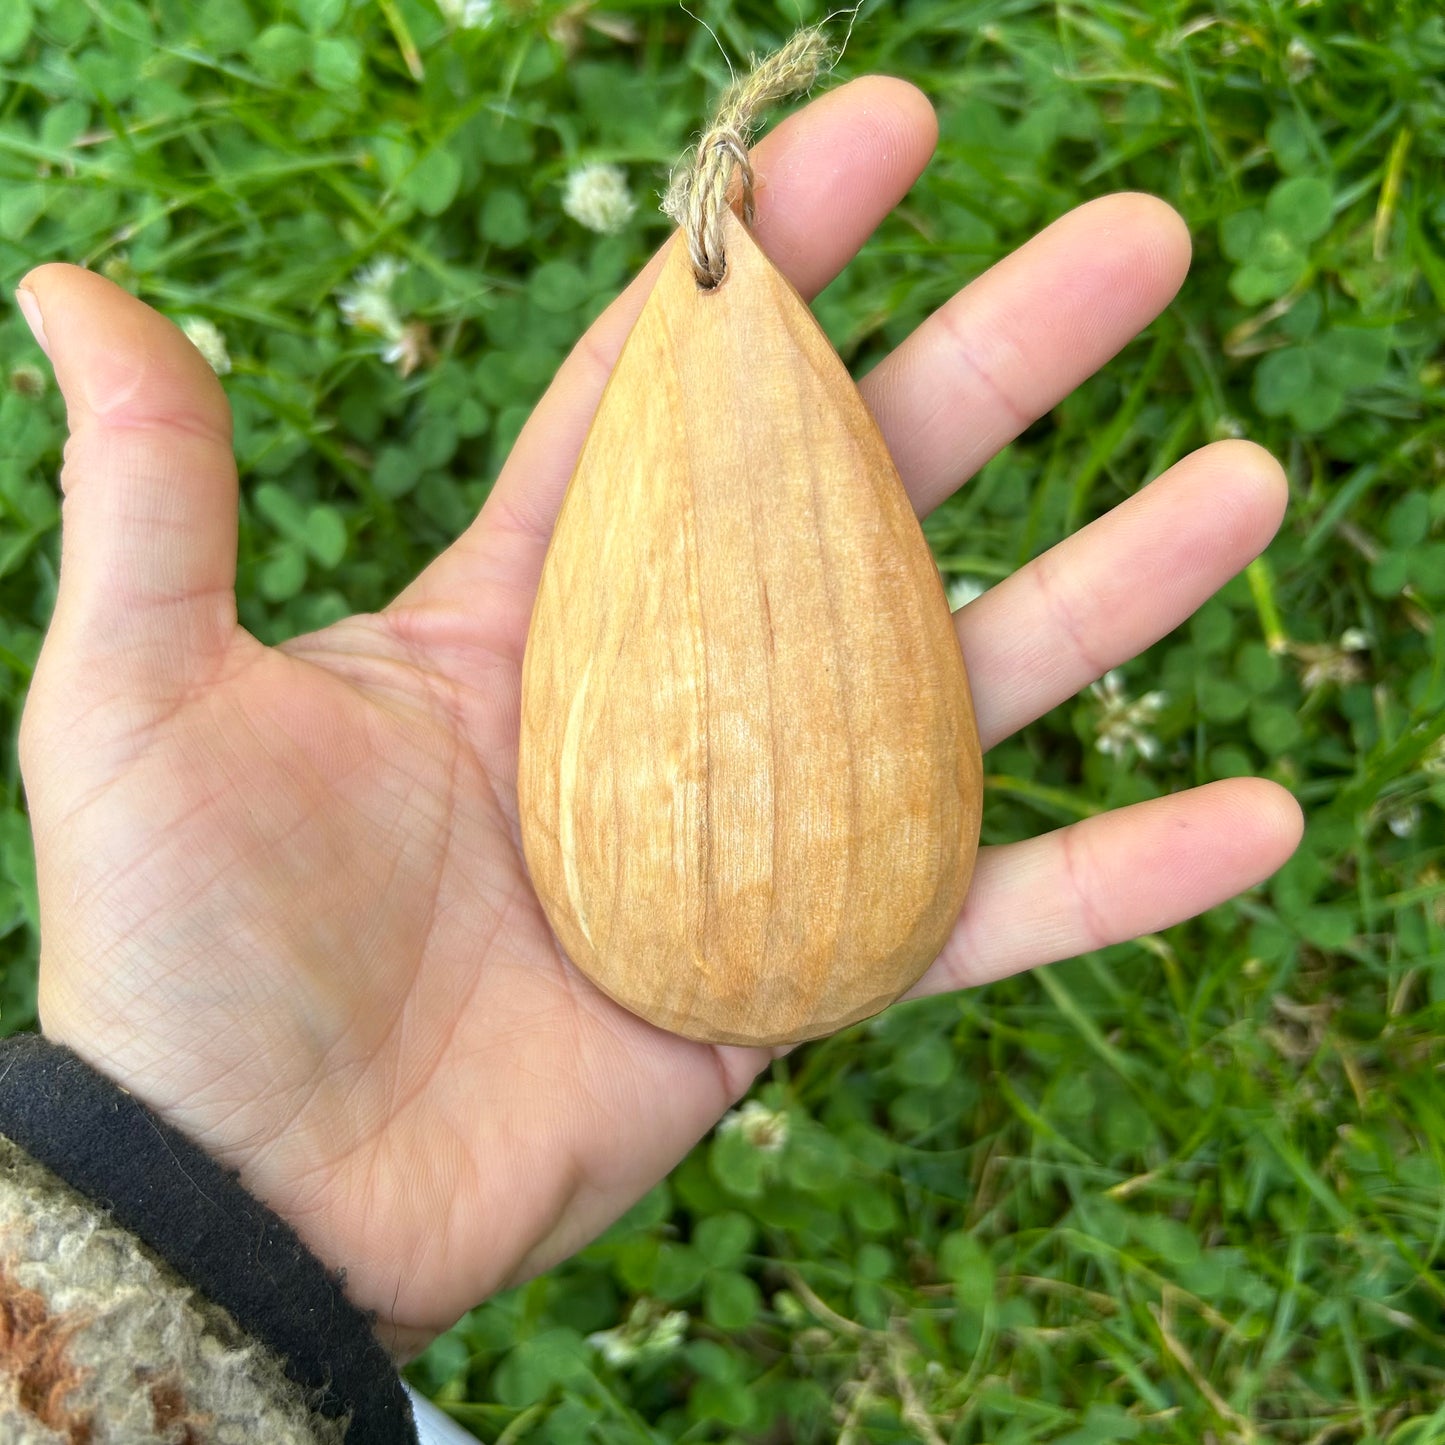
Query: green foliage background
x=1187, y=1189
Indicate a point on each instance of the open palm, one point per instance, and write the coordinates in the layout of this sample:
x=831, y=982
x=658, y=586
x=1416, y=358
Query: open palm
x=282, y=890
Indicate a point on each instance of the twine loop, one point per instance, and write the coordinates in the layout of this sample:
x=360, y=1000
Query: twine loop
x=697, y=197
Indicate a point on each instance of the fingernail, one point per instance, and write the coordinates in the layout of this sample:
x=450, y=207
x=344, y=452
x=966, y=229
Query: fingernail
x=30, y=310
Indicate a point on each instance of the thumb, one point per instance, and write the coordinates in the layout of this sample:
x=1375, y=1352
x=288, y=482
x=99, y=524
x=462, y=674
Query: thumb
x=148, y=529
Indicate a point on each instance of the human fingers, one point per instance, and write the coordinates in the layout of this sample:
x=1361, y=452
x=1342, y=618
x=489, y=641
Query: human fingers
x=148, y=533
x=828, y=175
x=1020, y=338
x=1114, y=877
x=998, y=355
x=1119, y=585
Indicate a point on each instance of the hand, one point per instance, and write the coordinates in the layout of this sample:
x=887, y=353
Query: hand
x=283, y=898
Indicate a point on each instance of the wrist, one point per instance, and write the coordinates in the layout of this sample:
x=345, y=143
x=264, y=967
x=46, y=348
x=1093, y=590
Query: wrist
x=282, y=1142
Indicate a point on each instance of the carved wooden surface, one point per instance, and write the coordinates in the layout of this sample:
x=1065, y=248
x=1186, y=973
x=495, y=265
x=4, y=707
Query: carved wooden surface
x=749, y=775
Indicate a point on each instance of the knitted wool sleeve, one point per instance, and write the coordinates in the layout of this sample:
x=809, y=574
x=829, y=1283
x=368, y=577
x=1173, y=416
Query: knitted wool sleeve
x=137, y=1275
x=101, y=1343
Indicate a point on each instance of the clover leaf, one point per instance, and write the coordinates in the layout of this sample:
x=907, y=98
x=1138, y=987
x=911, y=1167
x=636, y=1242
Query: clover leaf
x=1271, y=246
x=1301, y=207
x=1309, y=382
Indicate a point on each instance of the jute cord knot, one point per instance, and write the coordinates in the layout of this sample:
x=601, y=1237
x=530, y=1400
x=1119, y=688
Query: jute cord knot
x=697, y=197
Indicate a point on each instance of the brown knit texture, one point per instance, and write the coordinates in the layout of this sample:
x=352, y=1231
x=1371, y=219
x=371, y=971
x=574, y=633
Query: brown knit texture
x=101, y=1343
x=35, y=1354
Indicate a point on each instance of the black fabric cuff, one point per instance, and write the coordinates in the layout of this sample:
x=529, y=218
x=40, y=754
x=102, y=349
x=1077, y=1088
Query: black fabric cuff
x=170, y=1194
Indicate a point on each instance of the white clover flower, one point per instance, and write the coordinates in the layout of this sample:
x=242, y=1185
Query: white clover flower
x=650, y=1332
x=1326, y=662
x=368, y=306
x=1124, y=721
x=208, y=339
x=765, y=1129
x=1403, y=822
x=412, y=349
x=468, y=14
x=596, y=196
x=381, y=273
x=963, y=590
x=1299, y=59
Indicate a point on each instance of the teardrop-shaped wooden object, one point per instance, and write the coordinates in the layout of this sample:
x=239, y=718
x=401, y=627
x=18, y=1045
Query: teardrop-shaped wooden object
x=749, y=774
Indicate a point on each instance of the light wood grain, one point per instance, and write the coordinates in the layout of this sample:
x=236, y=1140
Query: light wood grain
x=749, y=774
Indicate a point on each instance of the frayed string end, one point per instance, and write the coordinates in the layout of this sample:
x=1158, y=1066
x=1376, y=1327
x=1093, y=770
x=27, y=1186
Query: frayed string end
x=697, y=195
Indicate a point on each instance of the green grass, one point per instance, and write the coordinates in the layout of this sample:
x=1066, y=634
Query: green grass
x=1189, y=1189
